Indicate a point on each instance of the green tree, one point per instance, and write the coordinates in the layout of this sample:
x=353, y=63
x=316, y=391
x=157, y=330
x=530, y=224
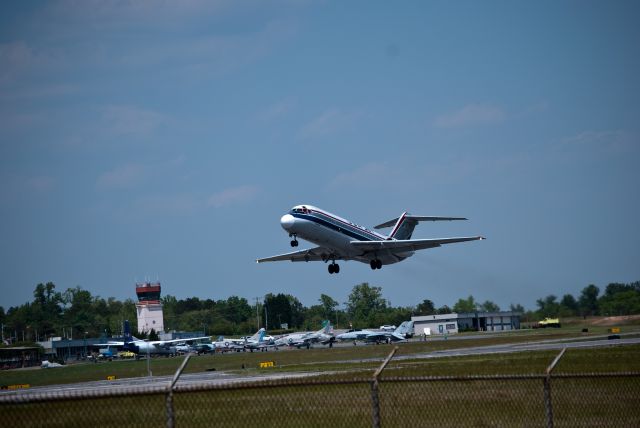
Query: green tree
x=364, y=304
x=588, y=301
x=548, y=307
x=329, y=306
x=517, y=308
x=444, y=309
x=425, y=308
x=80, y=316
x=568, y=306
x=278, y=309
x=489, y=306
x=465, y=305
x=153, y=335
x=620, y=299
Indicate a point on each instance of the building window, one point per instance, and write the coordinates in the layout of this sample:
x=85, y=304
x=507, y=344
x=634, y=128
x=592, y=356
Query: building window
x=451, y=326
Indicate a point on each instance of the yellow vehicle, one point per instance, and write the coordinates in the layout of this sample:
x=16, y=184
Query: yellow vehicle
x=126, y=354
x=548, y=322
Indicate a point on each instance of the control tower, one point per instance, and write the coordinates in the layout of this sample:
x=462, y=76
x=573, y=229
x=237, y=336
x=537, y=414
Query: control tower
x=149, y=307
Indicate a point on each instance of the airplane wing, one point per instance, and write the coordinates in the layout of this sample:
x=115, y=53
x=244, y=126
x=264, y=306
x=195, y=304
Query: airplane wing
x=410, y=244
x=416, y=218
x=189, y=339
x=384, y=336
x=309, y=255
x=108, y=344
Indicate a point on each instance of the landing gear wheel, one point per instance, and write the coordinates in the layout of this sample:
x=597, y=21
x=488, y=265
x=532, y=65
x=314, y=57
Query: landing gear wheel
x=375, y=264
x=334, y=268
x=372, y=263
x=294, y=243
x=378, y=264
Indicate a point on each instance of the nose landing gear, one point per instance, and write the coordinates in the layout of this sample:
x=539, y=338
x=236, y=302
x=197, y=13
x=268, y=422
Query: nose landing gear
x=375, y=264
x=294, y=241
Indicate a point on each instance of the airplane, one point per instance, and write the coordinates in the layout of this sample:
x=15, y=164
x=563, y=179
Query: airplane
x=258, y=342
x=340, y=239
x=401, y=333
x=46, y=364
x=143, y=347
x=305, y=339
x=221, y=345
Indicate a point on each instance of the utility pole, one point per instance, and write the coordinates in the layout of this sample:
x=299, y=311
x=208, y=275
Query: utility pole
x=257, y=314
x=266, y=319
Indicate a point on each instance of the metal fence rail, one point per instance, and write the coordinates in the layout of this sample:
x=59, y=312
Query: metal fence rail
x=562, y=399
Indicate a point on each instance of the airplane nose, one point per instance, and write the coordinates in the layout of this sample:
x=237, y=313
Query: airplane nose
x=287, y=221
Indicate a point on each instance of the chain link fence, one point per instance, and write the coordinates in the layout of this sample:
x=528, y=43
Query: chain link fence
x=561, y=400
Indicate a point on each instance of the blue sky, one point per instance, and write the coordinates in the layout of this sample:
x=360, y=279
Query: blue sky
x=165, y=139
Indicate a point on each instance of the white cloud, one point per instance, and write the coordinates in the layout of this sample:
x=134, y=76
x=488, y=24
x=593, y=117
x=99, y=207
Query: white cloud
x=277, y=110
x=470, y=115
x=232, y=196
x=329, y=122
x=609, y=141
x=123, y=176
x=40, y=183
x=371, y=174
x=131, y=120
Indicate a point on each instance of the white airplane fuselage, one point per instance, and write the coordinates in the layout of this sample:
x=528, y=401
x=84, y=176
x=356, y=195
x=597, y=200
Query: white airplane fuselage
x=340, y=239
x=328, y=230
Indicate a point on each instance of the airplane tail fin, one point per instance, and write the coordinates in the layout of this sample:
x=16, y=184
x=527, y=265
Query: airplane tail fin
x=403, y=229
x=404, y=225
x=127, y=332
x=327, y=328
x=258, y=336
x=404, y=328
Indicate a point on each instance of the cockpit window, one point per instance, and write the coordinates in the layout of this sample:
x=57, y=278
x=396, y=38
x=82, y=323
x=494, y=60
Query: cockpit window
x=302, y=210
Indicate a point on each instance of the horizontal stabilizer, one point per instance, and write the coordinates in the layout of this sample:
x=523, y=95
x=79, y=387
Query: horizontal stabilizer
x=416, y=218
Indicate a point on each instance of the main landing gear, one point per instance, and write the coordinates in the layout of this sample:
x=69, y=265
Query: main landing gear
x=294, y=241
x=334, y=268
x=375, y=264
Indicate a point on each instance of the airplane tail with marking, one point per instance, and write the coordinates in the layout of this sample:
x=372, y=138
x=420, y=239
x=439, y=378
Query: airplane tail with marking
x=257, y=337
x=327, y=328
x=404, y=225
x=127, y=332
x=403, y=229
x=404, y=328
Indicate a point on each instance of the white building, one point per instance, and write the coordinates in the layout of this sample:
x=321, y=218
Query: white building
x=149, y=307
x=472, y=321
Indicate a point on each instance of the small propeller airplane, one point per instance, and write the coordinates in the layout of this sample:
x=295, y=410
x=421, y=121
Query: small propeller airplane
x=340, y=239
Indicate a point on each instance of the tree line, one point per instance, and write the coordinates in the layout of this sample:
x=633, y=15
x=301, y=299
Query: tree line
x=76, y=313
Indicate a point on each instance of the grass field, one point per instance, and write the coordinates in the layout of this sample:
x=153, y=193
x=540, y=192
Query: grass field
x=324, y=359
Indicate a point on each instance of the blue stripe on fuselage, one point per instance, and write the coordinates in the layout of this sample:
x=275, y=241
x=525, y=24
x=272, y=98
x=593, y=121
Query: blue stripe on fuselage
x=341, y=228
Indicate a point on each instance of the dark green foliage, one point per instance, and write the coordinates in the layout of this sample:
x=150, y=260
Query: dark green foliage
x=76, y=312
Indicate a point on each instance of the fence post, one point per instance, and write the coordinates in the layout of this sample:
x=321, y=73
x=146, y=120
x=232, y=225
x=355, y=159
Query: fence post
x=375, y=400
x=548, y=408
x=171, y=418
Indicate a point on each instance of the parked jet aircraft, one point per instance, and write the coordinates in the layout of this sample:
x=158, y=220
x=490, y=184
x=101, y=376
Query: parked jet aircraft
x=340, y=239
x=398, y=334
x=307, y=338
x=258, y=342
x=143, y=347
x=221, y=345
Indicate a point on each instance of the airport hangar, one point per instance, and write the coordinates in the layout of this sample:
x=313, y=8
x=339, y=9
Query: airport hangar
x=470, y=321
